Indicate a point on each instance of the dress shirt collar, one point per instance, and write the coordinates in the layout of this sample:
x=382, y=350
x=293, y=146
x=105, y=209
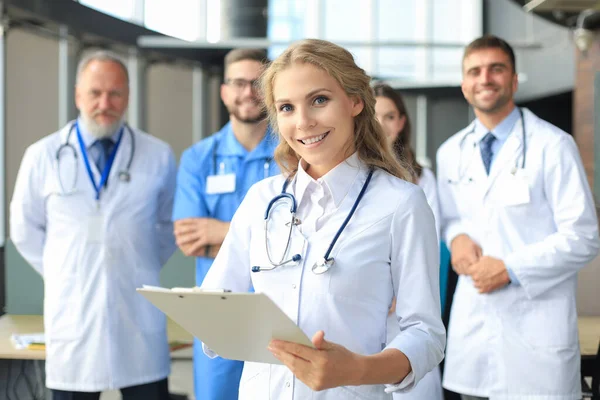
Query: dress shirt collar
x=502, y=130
x=337, y=182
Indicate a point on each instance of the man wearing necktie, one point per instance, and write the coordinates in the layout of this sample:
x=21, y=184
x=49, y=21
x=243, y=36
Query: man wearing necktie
x=100, y=241
x=518, y=213
x=102, y=149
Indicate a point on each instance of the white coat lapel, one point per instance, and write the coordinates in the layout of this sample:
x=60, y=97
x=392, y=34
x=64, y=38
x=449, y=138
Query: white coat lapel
x=510, y=154
x=123, y=154
x=476, y=169
x=506, y=158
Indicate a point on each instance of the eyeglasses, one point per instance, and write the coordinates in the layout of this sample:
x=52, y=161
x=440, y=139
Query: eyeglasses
x=240, y=84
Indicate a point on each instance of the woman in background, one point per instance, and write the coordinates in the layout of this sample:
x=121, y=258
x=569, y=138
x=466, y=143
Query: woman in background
x=391, y=113
x=390, y=110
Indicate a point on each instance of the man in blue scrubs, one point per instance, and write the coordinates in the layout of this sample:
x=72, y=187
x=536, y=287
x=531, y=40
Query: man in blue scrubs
x=213, y=178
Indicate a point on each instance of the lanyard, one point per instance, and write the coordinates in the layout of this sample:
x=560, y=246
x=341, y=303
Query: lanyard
x=104, y=177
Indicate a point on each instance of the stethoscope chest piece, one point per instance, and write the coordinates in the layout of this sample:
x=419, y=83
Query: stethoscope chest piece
x=322, y=266
x=124, y=176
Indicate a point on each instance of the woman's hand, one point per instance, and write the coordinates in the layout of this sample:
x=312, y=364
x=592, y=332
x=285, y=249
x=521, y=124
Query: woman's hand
x=327, y=366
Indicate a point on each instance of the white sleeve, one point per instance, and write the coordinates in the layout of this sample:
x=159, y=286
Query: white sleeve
x=451, y=224
x=164, y=224
x=428, y=183
x=542, y=265
x=415, y=275
x=27, y=210
x=231, y=268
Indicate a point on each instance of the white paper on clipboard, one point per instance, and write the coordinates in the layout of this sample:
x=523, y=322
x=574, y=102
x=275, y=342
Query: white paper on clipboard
x=237, y=326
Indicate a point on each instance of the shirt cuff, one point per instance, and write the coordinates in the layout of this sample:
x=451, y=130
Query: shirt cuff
x=403, y=384
x=513, y=277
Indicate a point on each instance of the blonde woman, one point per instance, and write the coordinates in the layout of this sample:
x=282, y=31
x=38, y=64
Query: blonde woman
x=362, y=235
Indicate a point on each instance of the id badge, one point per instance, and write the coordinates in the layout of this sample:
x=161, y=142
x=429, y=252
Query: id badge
x=217, y=184
x=95, y=231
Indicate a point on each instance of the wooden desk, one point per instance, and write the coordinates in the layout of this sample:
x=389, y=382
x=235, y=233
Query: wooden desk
x=589, y=335
x=10, y=324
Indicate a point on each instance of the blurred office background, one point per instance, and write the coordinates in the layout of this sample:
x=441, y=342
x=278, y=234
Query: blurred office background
x=174, y=49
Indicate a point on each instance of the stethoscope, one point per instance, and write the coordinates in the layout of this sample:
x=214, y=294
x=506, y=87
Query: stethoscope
x=326, y=262
x=461, y=171
x=124, y=175
x=266, y=166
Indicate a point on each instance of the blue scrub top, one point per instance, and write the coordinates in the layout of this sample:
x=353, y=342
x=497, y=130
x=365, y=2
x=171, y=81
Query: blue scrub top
x=198, y=162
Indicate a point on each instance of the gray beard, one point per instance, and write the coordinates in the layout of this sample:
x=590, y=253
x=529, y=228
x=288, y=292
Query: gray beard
x=100, y=131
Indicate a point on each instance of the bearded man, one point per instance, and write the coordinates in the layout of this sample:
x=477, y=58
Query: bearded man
x=91, y=213
x=213, y=178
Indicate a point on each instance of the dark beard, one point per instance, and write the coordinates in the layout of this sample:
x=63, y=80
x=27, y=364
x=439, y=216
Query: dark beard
x=251, y=120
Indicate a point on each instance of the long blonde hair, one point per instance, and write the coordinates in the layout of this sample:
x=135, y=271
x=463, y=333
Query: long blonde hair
x=369, y=140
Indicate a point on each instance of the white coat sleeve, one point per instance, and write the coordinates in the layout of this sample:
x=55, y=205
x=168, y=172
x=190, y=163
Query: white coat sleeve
x=451, y=223
x=231, y=268
x=542, y=265
x=427, y=182
x=415, y=276
x=27, y=210
x=164, y=224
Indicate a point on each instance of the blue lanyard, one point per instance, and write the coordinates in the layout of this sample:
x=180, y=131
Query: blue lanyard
x=104, y=177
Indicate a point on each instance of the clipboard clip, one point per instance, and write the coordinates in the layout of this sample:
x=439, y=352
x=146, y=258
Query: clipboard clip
x=197, y=289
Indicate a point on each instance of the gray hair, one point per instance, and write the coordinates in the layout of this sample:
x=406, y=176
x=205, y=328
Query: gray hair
x=100, y=55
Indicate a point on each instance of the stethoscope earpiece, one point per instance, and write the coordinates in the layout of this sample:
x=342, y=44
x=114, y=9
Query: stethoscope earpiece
x=295, y=258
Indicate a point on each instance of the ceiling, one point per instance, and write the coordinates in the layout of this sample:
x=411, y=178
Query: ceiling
x=560, y=5
x=562, y=12
x=96, y=29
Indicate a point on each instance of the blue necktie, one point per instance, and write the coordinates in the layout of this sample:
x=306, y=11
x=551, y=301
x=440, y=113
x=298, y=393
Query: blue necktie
x=486, y=150
x=104, y=147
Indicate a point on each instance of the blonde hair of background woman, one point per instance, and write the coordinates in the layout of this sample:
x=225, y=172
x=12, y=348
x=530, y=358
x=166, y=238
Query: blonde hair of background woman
x=369, y=139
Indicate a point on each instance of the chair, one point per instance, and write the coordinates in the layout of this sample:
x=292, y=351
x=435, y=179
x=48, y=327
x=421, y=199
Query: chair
x=590, y=368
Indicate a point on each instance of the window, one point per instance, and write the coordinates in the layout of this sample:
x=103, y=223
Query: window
x=285, y=23
x=391, y=39
x=183, y=19
x=123, y=9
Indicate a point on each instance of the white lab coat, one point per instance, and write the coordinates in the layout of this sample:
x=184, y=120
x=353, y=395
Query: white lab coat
x=430, y=387
x=100, y=333
x=388, y=247
x=519, y=342
x=428, y=183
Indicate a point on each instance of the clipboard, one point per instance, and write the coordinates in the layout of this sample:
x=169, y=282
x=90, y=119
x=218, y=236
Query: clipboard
x=237, y=326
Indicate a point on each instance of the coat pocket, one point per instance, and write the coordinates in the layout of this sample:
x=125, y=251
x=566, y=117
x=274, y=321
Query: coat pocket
x=548, y=323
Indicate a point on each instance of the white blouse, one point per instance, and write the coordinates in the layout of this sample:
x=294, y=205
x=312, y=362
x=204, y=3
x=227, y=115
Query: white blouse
x=389, y=248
